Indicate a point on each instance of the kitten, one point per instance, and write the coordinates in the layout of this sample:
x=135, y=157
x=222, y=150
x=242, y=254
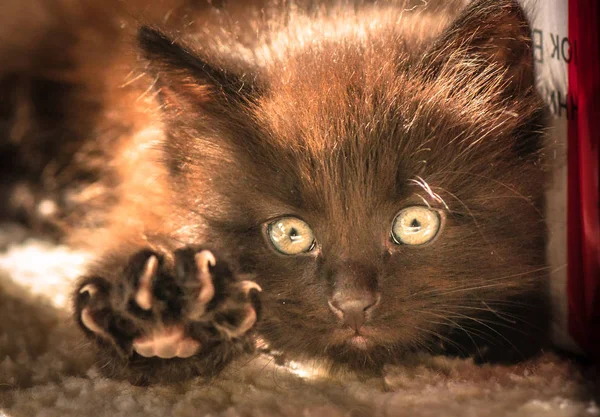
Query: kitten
x=348, y=182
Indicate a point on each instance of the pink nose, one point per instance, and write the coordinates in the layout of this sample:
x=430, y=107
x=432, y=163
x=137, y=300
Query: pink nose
x=353, y=312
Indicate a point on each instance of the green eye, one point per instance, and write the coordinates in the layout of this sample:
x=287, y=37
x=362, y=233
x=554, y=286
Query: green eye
x=415, y=226
x=291, y=236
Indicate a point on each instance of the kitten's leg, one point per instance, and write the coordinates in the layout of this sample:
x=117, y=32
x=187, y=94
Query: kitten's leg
x=168, y=318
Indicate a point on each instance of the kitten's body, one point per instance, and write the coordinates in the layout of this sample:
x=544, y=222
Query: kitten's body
x=340, y=115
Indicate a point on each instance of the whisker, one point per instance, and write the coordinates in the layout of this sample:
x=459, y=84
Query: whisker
x=471, y=330
x=492, y=280
x=444, y=338
x=457, y=315
x=506, y=186
x=421, y=183
x=490, y=328
x=420, y=344
x=468, y=211
x=479, y=287
x=500, y=302
x=517, y=318
x=495, y=312
x=455, y=324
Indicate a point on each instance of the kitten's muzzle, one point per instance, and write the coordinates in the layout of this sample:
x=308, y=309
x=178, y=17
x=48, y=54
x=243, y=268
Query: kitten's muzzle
x=354, y=312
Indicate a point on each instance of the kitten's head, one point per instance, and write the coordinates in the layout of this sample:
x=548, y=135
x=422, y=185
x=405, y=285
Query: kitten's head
x=381, y=178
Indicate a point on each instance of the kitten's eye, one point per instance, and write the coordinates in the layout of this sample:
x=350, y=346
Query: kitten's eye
x=415, y=226
x=291, y=236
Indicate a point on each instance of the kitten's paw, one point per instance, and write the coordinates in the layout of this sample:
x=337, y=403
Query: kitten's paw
x=193, y=316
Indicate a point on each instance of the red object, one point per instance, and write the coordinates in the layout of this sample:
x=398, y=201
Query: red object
x=583, y=209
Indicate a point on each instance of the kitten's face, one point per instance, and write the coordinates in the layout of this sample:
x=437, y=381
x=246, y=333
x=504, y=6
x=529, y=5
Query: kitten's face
x=333, y=245
x=387, y=199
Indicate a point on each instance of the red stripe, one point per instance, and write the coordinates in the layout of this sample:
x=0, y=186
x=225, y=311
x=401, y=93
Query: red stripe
x=583, y=286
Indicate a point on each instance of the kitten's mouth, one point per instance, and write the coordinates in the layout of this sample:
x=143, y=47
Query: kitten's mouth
x=362, y=340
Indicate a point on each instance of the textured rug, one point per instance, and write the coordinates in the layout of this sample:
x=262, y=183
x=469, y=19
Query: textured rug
x=46, y=368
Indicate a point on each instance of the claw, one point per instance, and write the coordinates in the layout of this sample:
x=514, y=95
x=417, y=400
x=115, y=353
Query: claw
x=247, y=286
x=244, y=326
x=86, y=316
x=143, y=297
x=248, y=322
x=90, y=323
x=204, y=260
x=89, y=288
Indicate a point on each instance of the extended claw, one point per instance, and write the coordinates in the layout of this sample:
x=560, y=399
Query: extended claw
x=90, y=324
x=86, y=316
x=247, y=286
x=246, y=324
x=88, y=288
x=204, y=260
x=143, y=297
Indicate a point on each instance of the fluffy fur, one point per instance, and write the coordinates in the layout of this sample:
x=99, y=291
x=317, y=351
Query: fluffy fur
x=179, y=135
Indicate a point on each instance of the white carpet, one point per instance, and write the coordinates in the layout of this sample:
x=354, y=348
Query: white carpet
x=46, y=368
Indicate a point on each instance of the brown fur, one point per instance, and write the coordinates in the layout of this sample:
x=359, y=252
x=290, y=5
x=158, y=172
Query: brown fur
x=339, y=115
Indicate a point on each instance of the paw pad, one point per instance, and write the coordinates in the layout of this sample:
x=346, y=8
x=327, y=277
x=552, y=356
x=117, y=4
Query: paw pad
x=166, y=343
x=155, y=314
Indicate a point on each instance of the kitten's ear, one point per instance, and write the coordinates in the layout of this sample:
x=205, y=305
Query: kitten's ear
x=186, y=78
x=488, y=33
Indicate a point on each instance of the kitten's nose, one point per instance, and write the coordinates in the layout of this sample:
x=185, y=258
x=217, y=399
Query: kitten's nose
x=353, y=312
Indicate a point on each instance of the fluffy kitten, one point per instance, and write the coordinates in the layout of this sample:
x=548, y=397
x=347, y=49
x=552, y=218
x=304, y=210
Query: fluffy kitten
x=349, y=182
